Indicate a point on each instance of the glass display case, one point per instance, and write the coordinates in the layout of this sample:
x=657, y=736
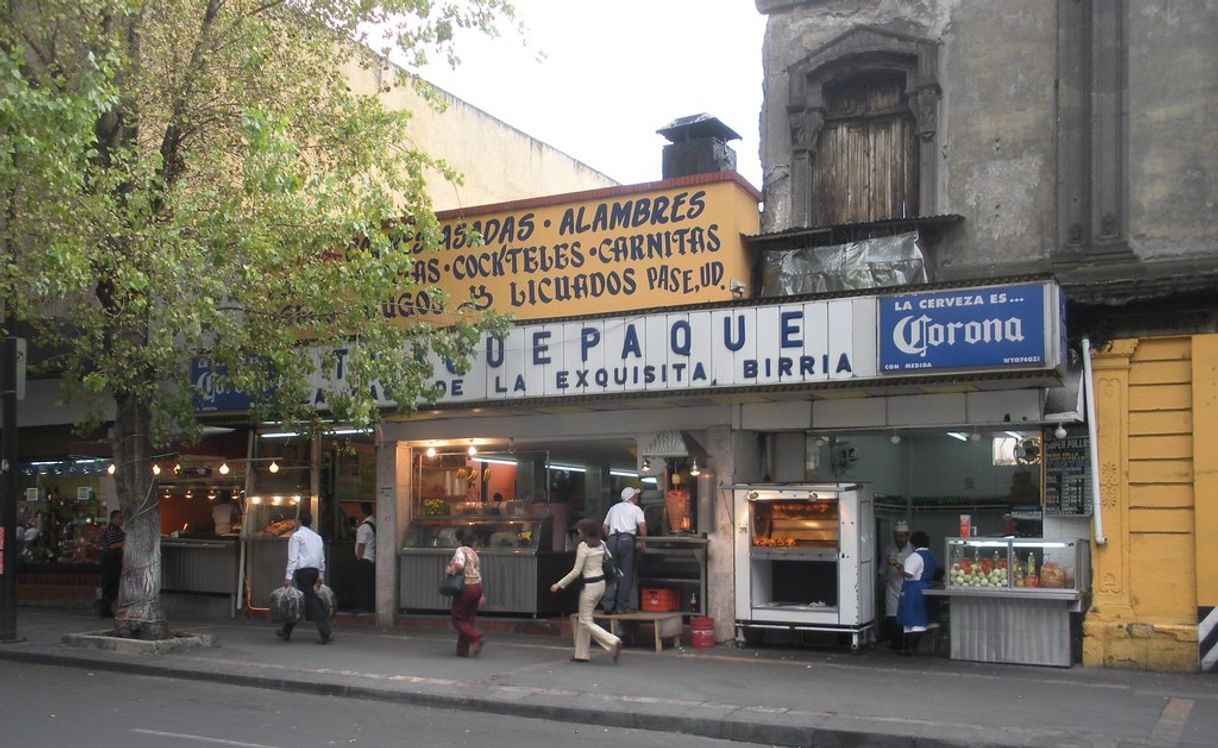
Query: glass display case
x=795, y=524
x=1010, y=599
x=520, y=536
x=269, y=517
x=1023, y=564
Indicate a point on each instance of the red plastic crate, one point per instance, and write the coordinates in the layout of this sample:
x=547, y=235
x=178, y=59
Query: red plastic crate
x=659, y=599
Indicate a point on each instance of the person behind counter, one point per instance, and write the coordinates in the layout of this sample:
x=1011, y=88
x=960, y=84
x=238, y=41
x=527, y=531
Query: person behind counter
x=112, y=541
x=465, y=606
x=894, y=578
x=589, y=563
x=365, y=560
x=624, y=525
x=919, y=570
x=224, y=514
x=307, y=567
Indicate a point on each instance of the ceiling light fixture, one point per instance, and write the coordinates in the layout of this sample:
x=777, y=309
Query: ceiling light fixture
x=974, y=437
x=224, y=469
x=111, y=470
x=274, y=468
x=1059, y=432
x=693, y=469
x=156, y=469
x=473, y=450
x=431, y=451
x=894, y=439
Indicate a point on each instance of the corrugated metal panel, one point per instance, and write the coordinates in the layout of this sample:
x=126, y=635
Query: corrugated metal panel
x=1002, y=629
x=210, y=567
x=509, y=581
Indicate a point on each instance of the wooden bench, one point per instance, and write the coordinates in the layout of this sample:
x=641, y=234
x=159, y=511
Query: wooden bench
x=664, y=625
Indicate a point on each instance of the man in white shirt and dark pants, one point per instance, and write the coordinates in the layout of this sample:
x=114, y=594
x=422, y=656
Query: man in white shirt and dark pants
x=624, y=525
x=307, y=567
x=365, y=560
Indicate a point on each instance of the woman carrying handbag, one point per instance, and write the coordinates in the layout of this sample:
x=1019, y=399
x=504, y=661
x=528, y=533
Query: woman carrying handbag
x=466, y=602
x=589, y=564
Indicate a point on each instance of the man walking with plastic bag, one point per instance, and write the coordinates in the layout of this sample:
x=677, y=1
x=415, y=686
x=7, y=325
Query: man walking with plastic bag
x=307, y=568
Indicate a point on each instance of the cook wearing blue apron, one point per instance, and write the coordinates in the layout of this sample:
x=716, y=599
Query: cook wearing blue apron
x=911, y=610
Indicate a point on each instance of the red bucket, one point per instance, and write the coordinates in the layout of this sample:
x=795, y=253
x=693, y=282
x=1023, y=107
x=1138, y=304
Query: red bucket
x=701, y=632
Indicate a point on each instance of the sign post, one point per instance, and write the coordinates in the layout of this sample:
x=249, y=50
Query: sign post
x=10, y=384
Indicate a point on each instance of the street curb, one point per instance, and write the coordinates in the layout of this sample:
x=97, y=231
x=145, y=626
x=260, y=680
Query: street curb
x=724, y=728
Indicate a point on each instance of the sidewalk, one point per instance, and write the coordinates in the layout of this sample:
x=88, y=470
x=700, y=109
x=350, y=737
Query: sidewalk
x=771, y=696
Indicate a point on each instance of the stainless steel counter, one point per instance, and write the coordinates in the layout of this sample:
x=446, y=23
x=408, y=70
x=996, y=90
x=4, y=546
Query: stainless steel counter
x=266, y=559
x=202, y=565
x=514, y=580
x=1028, y=627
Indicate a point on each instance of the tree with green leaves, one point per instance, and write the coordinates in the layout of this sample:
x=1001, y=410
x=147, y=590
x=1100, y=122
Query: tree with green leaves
x=194, y=178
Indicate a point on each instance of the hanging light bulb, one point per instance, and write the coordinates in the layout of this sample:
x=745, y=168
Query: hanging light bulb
x=974, y=437
x=894, y=439
x=473, y=450
x=111, y=469
x=274, y=468
x=156, y=469
x=224, y=469
x=647, y=463
x=431, y=451
x=693, y=470
x=1059, y=432
x=177, y=468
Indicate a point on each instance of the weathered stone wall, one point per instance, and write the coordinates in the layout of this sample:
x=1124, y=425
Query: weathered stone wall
x=1068, y=132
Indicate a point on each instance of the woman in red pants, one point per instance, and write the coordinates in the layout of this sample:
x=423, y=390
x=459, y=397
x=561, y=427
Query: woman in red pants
x=465, y=605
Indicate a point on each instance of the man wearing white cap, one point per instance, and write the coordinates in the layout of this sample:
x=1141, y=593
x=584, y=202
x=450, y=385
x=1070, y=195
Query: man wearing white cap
x=624, y=525
x=893, y=562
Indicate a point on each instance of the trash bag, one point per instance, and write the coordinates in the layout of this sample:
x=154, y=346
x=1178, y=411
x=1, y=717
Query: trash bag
x=287, y=605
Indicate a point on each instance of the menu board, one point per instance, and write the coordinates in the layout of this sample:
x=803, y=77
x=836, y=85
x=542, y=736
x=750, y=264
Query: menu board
x=1067, y=477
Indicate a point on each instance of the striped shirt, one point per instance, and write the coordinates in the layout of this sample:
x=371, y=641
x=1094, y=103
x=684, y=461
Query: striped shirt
x=112, y=534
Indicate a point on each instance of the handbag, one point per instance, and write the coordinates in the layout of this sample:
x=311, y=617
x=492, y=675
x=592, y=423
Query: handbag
x=453, y=584
x=609, y=565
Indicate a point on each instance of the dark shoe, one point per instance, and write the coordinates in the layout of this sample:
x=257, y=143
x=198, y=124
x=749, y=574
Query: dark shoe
x=616, y=651
x=326, y=639
x=284, y=635
x=475, y=648
x=576, y=659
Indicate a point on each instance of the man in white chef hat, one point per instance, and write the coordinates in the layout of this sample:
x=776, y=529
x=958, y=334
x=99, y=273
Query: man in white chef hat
x=891, y=564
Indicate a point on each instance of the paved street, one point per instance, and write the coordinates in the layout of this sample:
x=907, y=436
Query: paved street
x=771, y=695
x=44, y=706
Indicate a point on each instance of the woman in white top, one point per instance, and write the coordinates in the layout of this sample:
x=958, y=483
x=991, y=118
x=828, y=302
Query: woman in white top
x=589, y=559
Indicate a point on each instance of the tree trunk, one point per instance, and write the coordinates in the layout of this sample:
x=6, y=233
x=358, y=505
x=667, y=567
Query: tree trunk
x=138, y=613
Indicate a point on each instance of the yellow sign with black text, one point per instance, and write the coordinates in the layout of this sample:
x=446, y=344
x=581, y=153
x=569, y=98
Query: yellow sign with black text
x=612, y=250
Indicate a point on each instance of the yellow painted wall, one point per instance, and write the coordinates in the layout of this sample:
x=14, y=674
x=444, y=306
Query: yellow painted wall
x=1156, y=421
x=500, y=163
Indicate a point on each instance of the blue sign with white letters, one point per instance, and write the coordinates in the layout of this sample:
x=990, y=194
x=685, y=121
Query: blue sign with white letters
x=210, y=395
x=997, y=327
